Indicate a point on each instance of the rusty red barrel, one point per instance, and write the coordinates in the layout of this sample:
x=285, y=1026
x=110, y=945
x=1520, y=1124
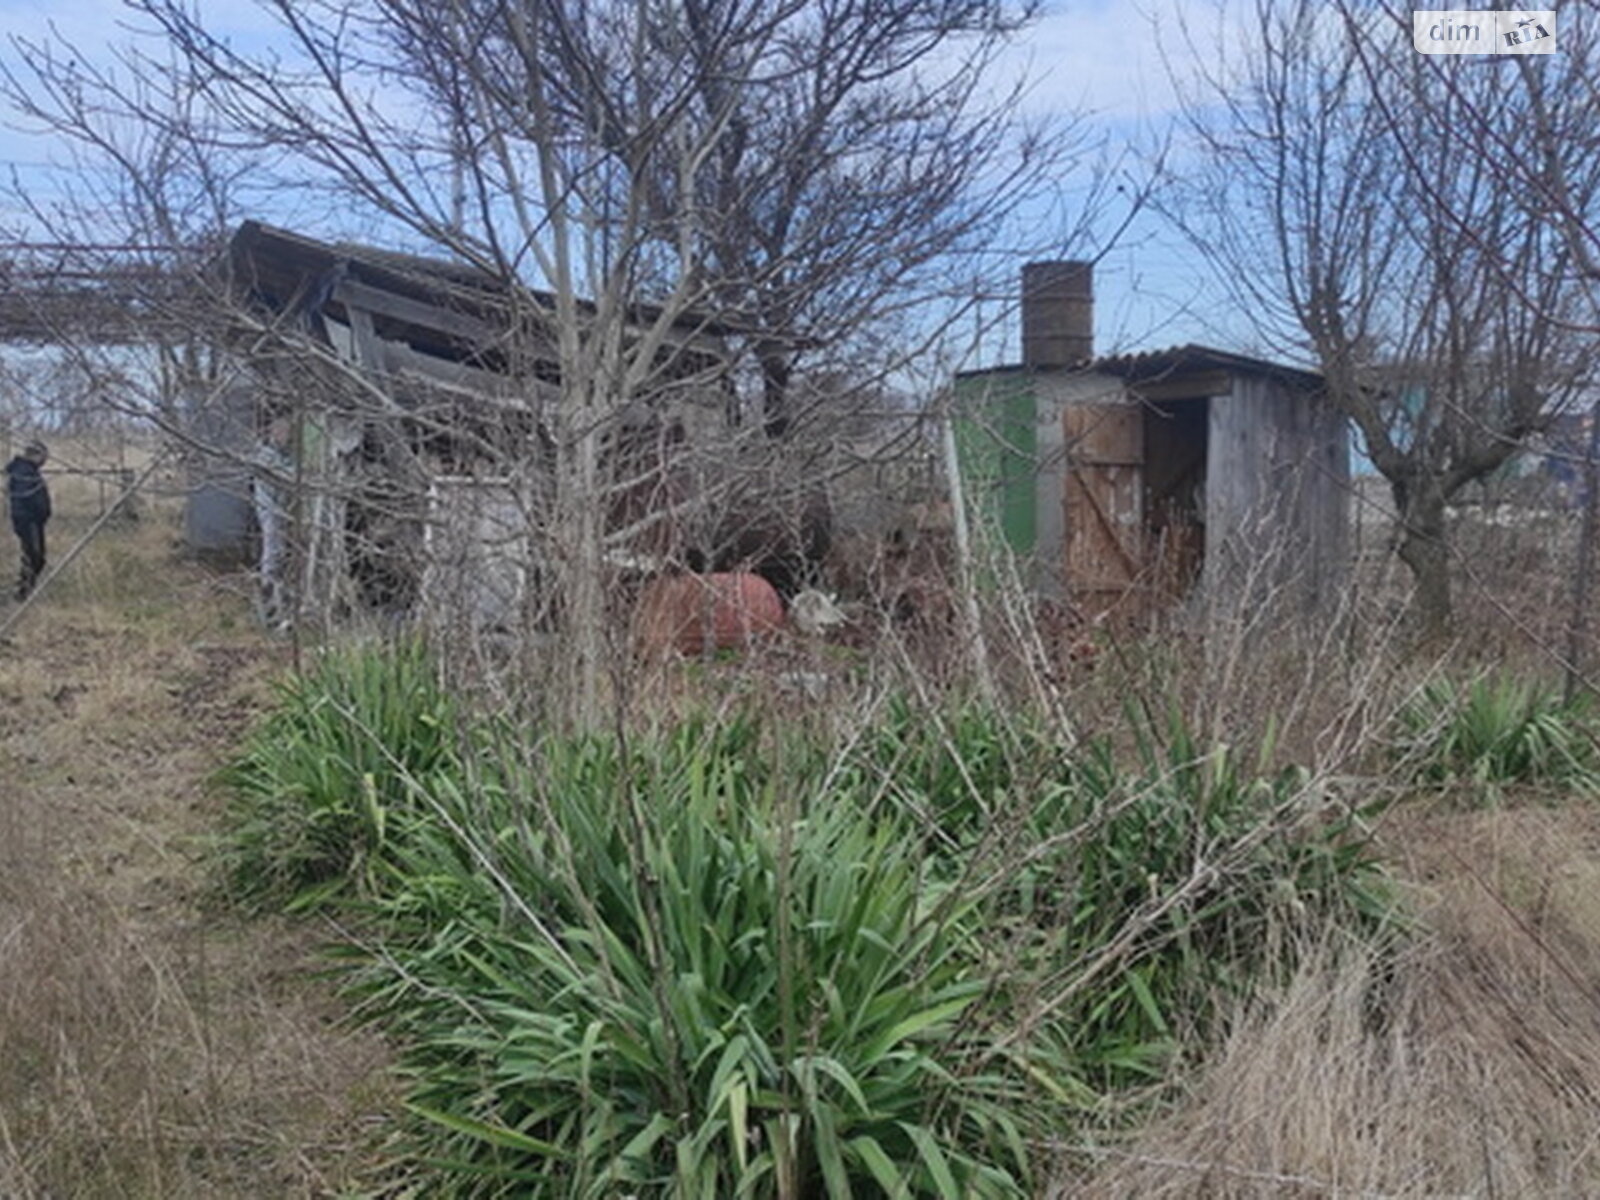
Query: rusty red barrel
x=690, y=613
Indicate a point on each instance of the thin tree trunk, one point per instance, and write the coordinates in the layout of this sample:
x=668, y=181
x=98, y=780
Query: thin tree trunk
x=775, y=374
x=580, y=544
x=965, y=576
x=1426, y=553
x=1578, y=623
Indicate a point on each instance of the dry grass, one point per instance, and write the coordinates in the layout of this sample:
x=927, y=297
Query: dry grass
x=150, y=1059
x=149, y=1047
x=152, y=1048
x=1466, y=1064
x=1465, y=1059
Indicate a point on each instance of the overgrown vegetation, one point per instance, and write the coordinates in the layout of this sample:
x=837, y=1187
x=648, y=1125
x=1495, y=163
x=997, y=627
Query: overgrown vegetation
x=331, y=773
x=900, y=951
x=161, y=1051
x=1495, y=731
x=151, y=1049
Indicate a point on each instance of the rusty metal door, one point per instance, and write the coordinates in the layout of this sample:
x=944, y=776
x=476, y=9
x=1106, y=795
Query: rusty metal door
x=1104, y=509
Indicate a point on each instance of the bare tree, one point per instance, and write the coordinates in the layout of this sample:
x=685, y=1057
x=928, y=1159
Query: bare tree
x=1540, y=147
x=791, y=181
x=1361, y=227
x=835, y=204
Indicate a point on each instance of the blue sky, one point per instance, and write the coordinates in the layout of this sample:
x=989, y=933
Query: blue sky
x=1110, y=60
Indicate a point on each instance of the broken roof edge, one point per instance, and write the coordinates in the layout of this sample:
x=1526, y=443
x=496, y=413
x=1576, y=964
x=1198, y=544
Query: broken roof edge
x=305, y=256
x=1145, y=365
x=452, y=283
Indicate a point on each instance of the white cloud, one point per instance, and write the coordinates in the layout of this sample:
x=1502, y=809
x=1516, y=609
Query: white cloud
x=1117, y=59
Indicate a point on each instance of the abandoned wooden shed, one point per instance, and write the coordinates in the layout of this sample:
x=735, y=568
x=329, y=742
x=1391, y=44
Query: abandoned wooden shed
x=423, y=328
x=414, y=396
x=1132, y=482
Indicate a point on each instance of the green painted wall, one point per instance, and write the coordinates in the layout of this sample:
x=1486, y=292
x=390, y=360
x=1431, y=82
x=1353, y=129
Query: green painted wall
x=996, y=441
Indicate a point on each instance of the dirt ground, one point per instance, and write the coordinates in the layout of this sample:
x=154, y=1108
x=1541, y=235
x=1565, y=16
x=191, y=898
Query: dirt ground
x=150, y=1043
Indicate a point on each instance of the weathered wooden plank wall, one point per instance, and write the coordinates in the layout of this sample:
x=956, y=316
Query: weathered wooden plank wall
x=1277, y=494
x=1103, y=507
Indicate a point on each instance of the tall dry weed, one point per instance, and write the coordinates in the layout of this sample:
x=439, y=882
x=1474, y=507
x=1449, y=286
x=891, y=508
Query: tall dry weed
x=147, y=1048
x=1465, y=1063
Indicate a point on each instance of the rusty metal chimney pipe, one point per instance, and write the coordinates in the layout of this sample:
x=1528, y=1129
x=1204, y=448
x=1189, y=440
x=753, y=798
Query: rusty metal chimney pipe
x=1057, y=314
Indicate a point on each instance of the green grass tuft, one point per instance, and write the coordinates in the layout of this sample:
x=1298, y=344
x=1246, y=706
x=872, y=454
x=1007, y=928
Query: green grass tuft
x=329, y=777
x=1495, y=732
x=733, y=960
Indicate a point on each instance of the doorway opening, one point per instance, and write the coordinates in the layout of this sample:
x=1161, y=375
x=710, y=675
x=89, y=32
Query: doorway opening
x=1177, y=436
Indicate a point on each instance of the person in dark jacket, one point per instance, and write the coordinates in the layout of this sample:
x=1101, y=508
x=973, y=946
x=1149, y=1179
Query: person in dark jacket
x=29, y=498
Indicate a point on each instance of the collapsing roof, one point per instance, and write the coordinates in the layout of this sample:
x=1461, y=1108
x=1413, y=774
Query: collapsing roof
x=445, y=309
x=430, y=388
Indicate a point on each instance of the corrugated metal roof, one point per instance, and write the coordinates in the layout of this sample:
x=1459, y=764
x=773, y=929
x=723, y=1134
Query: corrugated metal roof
x=1147, y=365
x=1173, y=360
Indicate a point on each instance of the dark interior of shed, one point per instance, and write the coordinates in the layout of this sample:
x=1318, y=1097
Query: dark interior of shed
x=1176, y=449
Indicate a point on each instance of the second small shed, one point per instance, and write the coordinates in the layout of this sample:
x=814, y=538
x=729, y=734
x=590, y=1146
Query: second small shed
x=1132, y=482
